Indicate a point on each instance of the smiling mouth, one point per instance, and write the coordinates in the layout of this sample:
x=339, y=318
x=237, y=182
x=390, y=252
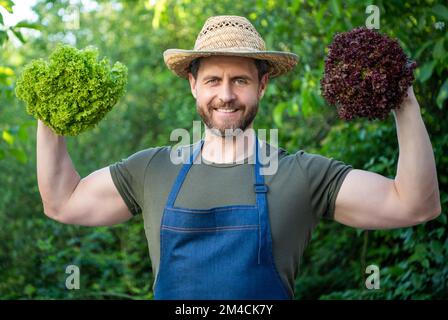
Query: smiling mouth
x=221, y=110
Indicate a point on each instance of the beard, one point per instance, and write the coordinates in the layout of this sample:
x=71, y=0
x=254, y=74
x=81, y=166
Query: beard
x=227, y=127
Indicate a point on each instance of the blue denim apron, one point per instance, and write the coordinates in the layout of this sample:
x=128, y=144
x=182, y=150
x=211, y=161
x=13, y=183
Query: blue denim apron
x=218, y=253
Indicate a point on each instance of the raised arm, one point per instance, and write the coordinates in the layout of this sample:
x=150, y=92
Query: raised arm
x=370, y=201
x=90, y=201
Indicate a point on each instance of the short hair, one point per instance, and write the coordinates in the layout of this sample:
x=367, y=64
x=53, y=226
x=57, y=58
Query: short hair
x=262, y=67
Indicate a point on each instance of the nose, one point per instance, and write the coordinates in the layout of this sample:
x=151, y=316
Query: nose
x=226, y=93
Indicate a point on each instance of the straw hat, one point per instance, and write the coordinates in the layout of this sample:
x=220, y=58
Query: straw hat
x=230, y=36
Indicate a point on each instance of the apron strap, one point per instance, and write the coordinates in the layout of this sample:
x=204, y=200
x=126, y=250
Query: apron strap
x=261, y=189
x=182, y=174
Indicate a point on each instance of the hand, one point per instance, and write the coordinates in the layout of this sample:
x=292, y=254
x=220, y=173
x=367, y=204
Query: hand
x=409, y=102
x=42, y=126
x=410, y=97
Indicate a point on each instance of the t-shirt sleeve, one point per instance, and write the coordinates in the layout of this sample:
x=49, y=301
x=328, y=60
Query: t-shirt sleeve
x=325, y=177
x=128, y=176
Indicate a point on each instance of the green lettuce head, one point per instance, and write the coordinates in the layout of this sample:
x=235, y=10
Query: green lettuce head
x=73, y=91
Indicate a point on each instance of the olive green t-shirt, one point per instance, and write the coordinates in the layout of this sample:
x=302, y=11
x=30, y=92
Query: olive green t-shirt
x=302, y=190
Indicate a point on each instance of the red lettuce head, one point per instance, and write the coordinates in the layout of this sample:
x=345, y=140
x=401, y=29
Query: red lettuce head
x=366, y=74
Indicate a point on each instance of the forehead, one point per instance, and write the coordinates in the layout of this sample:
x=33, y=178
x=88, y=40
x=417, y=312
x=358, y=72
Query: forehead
x=228, y=64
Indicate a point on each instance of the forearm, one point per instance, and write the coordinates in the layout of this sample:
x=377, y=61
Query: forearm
x=416, y=178
x=56, y=175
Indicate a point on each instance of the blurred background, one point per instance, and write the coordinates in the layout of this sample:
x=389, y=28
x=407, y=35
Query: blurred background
x=114, y=261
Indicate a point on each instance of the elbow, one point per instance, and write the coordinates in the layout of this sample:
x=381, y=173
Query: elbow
x=437, y=212
x=54, y=214
x=428, y=214
x=51, y=213
x=428, y=208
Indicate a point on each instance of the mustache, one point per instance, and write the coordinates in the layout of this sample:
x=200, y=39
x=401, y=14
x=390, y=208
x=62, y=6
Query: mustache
x=226, y=105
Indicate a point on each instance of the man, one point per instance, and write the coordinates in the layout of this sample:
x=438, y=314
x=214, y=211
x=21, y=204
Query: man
x=220, y=229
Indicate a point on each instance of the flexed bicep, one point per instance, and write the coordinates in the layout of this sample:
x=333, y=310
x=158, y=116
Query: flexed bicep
x=369, y=200
x=95, y=202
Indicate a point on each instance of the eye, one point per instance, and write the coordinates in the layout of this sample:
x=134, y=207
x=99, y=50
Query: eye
x=212, y=81
x=241, y=81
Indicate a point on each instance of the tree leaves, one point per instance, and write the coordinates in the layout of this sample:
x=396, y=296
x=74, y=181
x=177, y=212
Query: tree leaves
x=440, y=11
x=7, y=4
x=443, y=94
x=425, y=72
x=3, y=37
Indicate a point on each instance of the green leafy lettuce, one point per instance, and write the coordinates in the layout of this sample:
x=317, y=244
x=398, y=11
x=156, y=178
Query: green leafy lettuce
x=73, y=91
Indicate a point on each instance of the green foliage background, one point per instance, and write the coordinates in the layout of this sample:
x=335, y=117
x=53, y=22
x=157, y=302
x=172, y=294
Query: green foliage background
x=114, y=262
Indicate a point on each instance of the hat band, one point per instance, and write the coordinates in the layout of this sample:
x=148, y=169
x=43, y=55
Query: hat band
x=230, y=50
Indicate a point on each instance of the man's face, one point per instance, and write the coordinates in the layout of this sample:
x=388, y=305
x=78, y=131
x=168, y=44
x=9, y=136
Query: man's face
x=227, y=92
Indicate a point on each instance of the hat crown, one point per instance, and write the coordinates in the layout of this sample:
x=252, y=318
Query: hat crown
x=229, y=33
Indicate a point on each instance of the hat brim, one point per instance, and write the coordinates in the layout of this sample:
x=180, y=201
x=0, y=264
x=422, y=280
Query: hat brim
x=178, y=60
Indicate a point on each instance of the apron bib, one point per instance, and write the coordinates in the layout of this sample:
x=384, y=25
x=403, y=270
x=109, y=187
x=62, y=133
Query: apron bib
x=220, y=253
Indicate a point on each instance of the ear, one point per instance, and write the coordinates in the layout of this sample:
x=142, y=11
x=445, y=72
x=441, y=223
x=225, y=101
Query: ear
x=192, y=81
x=263, y=85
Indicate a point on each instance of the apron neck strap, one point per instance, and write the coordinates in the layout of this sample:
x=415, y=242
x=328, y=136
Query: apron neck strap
x=259, y=187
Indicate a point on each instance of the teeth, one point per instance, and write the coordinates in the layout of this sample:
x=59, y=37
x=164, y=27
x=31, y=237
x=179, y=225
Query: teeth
x=226, y=110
